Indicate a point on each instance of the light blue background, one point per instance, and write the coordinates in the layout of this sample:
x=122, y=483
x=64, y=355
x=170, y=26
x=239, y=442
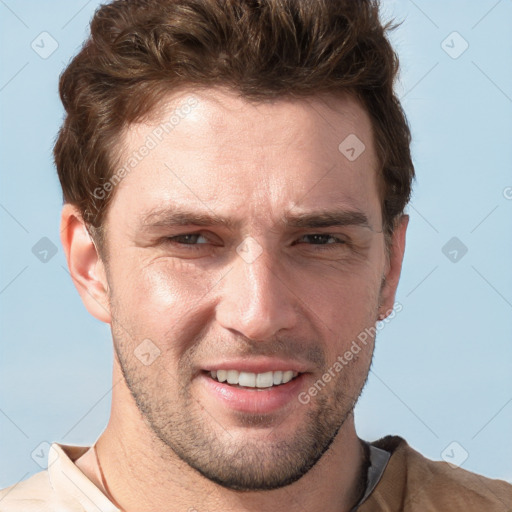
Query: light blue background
x=443, y=367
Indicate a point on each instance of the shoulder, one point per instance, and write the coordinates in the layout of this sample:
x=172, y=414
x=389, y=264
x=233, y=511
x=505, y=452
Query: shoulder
x=33, y=494
x=414, y=482
x=61, y=487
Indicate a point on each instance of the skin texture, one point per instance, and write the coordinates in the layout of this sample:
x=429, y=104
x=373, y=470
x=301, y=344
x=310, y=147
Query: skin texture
x=298, y=298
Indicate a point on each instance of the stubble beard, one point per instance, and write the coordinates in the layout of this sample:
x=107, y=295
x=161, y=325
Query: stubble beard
x=187, y=431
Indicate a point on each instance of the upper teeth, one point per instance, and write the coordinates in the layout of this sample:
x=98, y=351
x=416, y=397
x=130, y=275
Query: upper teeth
x=254, y=380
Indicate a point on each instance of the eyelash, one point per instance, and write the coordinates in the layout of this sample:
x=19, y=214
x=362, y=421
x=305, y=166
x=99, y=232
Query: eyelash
x=339, y=241
x=325, y=246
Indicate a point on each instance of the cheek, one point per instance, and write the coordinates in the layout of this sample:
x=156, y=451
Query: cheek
x=165, y=285
x=344, y=306
x=342, y=288
x=161, y=300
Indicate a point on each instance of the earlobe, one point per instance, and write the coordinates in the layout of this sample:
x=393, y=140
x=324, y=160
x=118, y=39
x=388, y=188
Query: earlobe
x=394, y=268
x=85, y=264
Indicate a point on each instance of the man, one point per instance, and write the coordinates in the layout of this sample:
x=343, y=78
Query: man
x=235, y=175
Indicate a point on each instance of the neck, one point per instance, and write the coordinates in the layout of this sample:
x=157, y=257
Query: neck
x=143, y=474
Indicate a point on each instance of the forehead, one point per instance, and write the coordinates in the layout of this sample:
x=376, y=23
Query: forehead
x=215, y=151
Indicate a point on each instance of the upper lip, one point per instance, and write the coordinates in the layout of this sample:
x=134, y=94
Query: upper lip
x=257, y=365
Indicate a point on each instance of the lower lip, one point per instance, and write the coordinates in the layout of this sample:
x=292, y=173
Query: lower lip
x=254, y=400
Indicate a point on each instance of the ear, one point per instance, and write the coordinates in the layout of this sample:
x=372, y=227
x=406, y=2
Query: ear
x=84, y=262
x=393, y=268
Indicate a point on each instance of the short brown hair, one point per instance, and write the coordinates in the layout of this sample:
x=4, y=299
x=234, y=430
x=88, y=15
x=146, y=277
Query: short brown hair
x=141, y=50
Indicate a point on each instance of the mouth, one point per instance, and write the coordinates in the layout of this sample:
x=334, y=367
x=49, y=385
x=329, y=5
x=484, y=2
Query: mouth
x=256, y=381
x=259, y=393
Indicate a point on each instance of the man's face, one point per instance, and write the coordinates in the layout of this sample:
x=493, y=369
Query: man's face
x=246, y=241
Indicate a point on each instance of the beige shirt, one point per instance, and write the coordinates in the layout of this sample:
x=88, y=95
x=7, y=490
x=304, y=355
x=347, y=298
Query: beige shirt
x=409, y=483
x=60, y=488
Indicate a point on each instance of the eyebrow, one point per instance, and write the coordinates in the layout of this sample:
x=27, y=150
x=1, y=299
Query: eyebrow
x=179, y=216
x=326, y=219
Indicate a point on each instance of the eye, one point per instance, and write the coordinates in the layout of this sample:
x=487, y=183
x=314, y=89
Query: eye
x=188, y=239
x=322, y=239
x=191, y=245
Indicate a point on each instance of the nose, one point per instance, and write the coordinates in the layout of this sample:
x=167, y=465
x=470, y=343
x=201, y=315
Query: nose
x=256, y=299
